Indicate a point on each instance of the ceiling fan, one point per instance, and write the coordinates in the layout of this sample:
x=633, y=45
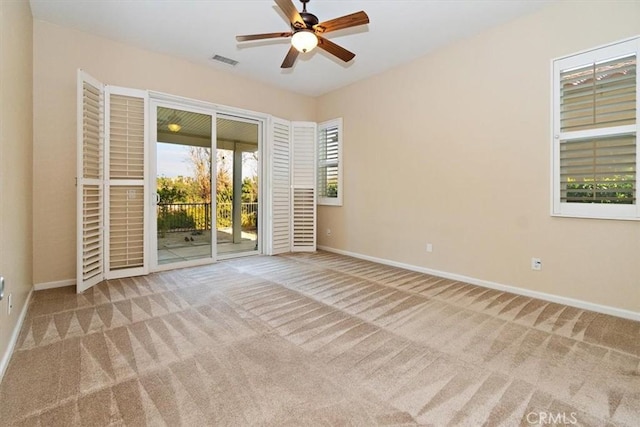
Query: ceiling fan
x=306, y=32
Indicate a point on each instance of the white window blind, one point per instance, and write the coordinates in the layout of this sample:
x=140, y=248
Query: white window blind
x=595, y=133
x=329, y=172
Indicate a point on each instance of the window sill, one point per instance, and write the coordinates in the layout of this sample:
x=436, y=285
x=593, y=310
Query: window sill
x=597, y=217
x=329, y=202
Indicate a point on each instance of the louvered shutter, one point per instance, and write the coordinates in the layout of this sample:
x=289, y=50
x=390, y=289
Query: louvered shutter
x=595, y=128
x=303, y=187
x=126, y=242
x=90, y=174
x=329, y=163
x=280, y=188
x=599, y=169
x=598, y=95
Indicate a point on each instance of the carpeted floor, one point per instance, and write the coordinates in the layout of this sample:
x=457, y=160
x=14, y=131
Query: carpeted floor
x=316, y=339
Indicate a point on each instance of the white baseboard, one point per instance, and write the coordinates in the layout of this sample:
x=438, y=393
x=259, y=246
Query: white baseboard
x=585, y=305
x=6, y=357
x=52, y=285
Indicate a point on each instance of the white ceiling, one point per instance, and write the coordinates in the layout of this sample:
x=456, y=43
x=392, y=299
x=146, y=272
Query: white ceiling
x=399, y=31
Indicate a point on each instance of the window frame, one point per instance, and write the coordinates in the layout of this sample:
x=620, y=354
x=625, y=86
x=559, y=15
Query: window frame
x=592, y=210
x=324, y=200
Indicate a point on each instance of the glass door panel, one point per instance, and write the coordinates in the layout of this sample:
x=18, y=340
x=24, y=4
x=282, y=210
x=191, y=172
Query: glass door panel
x=183, y=186
x=237, y=185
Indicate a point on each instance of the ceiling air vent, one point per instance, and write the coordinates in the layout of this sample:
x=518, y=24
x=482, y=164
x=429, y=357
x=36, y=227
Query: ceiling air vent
x=225, y=60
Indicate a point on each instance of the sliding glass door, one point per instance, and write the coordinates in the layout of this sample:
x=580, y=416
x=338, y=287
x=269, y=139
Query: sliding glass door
x=237, y=185
x=183, y=152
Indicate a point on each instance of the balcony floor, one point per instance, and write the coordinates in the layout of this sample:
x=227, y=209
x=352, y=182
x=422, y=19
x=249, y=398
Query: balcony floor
x=185, y=246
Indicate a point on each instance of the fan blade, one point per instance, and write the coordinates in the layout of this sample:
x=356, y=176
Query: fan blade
x=347, y=21
x=262, y=36
x=290, y=58
x=292, y=13
x=335, y=50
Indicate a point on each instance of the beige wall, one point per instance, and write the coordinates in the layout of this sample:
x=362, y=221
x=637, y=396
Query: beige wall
x=58, y=53
x=454, y=149
x=16, y=143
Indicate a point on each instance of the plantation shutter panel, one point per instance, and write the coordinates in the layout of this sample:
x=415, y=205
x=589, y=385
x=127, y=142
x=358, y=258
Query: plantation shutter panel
x=329, y=181
x=595, y=128
x=327, y=160
x=90, y=174
x=126, y=187
x=303, y=187
x=280, y=191
x=598, y=95
x=600, y=169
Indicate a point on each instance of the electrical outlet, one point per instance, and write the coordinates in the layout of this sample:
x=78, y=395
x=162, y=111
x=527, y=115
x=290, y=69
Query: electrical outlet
x=429, y=247
x=328, y=232
x=9, y=303
x=536, y=264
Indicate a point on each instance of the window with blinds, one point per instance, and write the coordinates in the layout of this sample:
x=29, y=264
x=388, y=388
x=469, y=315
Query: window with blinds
x=595, y=133
x=329, y=170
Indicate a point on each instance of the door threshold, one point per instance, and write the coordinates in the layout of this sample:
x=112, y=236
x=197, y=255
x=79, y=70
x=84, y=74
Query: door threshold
x=231, y=255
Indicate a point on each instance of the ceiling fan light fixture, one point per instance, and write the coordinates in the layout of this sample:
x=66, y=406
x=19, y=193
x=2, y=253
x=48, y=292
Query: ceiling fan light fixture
x=307, y=32
x=304, y=40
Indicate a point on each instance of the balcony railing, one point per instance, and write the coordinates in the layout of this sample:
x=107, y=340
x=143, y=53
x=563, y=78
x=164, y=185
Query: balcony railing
x=176, y=217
